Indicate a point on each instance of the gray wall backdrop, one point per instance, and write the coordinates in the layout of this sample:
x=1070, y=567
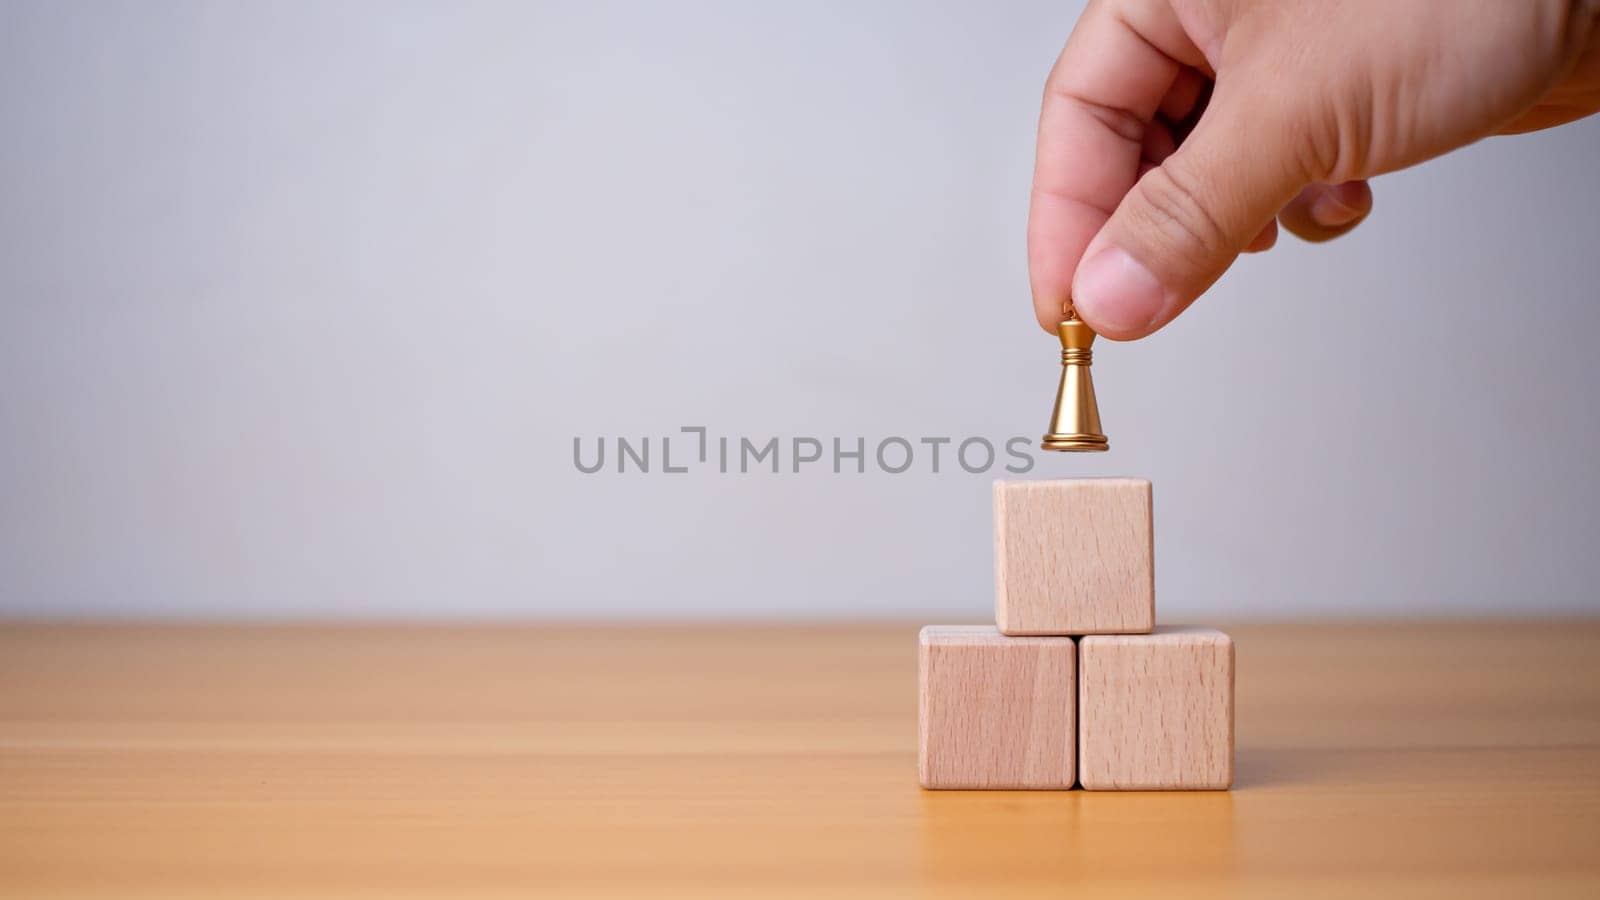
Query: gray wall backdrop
x=301, y=306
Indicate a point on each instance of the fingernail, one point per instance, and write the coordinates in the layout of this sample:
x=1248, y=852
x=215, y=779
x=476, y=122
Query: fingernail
x=1328, y=212
x=1116, y=294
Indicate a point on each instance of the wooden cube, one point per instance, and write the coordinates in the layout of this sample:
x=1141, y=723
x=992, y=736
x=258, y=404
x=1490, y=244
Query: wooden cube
x=995, y=712
x=1074, y=556
x=1155, y=711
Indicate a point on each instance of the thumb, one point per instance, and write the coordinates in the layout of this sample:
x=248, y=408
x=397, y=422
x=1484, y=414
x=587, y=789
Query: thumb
x=1186, y=220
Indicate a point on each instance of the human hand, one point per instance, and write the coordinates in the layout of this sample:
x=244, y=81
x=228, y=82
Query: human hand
x=1176, y=134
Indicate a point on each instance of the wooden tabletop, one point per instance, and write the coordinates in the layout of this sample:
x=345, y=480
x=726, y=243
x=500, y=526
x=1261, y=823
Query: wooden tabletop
x=1384, y=760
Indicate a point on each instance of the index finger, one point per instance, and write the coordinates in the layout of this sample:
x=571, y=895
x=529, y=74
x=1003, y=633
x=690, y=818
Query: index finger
x=1100, y=101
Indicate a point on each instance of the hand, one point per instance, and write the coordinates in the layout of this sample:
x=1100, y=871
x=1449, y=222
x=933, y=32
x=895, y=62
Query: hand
x=1176, y=134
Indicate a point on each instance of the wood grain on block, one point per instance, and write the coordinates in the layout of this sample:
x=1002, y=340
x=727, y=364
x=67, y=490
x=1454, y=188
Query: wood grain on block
x=1074, y=556
x=1156, y=710
x=995, y=712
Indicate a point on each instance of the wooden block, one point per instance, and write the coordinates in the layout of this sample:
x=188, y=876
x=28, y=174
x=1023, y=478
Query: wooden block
x=1074, y=557
x=1156, y=710
x=995, y=712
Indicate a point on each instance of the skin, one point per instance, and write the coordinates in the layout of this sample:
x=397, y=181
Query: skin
x=1177, y=134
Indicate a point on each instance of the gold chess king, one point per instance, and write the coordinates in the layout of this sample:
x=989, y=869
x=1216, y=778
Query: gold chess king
x=1075, y=423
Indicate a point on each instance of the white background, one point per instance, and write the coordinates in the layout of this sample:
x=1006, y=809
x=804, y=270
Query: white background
x=301, y=306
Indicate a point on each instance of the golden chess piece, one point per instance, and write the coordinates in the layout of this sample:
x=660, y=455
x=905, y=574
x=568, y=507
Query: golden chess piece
x=1075, y=425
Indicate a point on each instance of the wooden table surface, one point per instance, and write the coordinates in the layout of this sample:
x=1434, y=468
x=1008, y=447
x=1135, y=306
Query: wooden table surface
x=1447, y=761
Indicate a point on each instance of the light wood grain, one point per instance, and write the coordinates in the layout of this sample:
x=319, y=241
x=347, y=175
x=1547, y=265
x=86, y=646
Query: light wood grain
x=194, y=762
x=1156, y=710
x=1074, y=556
x=995, y=712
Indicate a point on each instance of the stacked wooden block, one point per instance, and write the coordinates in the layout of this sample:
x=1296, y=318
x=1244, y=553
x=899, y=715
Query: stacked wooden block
x=1076, y=684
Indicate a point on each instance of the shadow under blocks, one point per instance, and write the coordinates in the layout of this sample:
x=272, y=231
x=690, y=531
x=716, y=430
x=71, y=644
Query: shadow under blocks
x=1075, y=683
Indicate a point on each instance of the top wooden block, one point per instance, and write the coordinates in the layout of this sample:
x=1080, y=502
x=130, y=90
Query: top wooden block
x=1074, y=557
